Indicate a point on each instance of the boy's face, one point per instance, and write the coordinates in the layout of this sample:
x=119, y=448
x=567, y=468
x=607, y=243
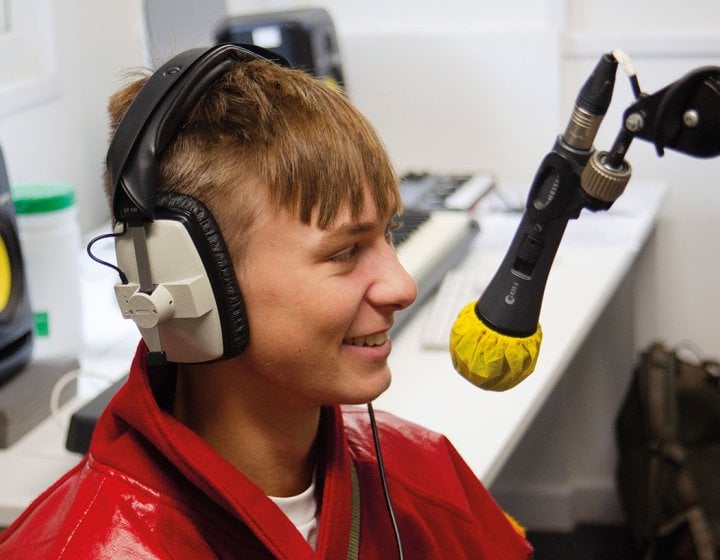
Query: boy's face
x=320, y=304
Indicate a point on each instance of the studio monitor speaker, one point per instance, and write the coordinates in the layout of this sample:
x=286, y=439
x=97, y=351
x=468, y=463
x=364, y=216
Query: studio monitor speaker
x=305, y=37
x=15, y=315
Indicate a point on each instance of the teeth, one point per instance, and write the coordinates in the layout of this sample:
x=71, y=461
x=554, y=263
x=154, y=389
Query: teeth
x=371, y=340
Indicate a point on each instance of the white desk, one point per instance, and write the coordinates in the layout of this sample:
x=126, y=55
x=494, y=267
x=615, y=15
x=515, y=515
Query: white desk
x=595, y=256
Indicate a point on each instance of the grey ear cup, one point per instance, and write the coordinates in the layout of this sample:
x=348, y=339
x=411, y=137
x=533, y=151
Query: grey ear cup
x=213, y=251
x=195, y=313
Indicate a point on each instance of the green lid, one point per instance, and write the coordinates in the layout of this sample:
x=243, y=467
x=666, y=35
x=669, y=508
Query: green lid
x=36, y=198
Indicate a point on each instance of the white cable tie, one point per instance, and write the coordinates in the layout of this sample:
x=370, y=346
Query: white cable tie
x=624, y=61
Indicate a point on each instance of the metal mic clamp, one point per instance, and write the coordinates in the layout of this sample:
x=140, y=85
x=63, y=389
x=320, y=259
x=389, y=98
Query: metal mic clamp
x=602, y=180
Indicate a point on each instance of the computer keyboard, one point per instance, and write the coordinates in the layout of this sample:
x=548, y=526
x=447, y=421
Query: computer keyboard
x=457, y=289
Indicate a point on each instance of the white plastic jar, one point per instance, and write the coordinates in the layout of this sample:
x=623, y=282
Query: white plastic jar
x=50, y=241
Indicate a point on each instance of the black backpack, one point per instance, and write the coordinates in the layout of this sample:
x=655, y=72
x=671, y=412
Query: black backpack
x=668, y=472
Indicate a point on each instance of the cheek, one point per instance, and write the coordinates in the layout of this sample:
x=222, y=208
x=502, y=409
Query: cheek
x=288, y=304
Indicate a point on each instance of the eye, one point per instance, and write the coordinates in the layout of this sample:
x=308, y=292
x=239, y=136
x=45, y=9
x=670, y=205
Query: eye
x=347, y=255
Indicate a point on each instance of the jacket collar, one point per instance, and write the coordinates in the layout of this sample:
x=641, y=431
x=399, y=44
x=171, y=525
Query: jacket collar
x=138, y=416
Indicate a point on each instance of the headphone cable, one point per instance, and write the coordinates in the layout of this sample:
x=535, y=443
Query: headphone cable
x=123, y=277
x=383, y=479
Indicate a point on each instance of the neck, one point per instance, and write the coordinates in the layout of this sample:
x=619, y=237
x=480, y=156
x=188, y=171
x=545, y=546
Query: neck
x=270, y=443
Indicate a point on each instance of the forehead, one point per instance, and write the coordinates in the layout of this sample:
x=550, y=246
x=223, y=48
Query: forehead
x=348, y=219
x=362, y=203
x=245, y=230
x=351, y=213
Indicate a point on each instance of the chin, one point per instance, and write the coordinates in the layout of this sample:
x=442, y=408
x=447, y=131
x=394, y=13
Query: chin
x=368, y=391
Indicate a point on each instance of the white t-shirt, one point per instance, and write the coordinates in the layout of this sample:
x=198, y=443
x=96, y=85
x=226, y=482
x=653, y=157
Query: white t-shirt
x=302, y=511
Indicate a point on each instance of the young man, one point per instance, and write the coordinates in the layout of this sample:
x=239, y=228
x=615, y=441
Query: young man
x=253, y=456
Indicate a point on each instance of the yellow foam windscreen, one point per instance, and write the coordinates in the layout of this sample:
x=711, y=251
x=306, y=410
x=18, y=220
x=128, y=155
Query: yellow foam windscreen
x=490, y=359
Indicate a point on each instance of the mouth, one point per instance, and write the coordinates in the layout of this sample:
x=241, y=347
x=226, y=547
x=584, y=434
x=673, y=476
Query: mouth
x=377, y=339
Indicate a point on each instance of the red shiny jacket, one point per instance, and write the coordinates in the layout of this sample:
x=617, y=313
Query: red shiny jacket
x=151, y=488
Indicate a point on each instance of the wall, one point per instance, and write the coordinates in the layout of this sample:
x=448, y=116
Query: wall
x=64, y=138
x=451, y=88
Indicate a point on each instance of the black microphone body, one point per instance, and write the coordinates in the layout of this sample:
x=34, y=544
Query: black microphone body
x=511, y=303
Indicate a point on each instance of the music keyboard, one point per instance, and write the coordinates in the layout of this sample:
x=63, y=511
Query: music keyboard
x=429, y=243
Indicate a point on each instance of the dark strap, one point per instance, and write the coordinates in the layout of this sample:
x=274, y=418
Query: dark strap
x=354, y=544
x=667, y=462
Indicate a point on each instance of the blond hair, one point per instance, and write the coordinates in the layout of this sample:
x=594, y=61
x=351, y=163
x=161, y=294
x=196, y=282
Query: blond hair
x=262, y=126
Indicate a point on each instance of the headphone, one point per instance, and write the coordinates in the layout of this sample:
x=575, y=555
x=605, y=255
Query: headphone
x=177, y=278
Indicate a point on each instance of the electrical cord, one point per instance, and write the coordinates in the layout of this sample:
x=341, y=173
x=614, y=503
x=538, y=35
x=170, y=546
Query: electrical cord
x=627, y=65
x=383, y=479
x=57, y=390
x=64, y=380
x=123, y=277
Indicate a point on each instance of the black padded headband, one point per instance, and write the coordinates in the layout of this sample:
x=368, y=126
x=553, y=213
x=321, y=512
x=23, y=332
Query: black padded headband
x=154, y=117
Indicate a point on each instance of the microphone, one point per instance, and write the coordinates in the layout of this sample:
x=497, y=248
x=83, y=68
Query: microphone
x=495, y=342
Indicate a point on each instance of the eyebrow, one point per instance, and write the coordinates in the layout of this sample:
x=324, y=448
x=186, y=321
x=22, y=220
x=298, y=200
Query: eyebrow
x=348, y=230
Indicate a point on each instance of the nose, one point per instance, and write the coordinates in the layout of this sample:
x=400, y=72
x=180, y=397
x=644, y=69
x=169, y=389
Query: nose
x=393, y=287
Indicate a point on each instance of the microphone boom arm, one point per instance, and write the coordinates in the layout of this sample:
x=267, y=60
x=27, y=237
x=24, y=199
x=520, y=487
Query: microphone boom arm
x=683, y=116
